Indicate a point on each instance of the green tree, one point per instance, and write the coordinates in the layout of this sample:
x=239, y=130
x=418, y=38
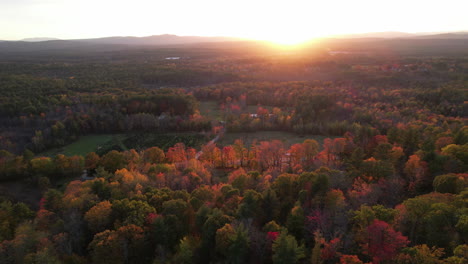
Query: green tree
x=460, y=153
x=250, y=205
x=383, y=151
x=12, y=215
x=450, y=183
x=132, y=211
x=185, y=250
x=460, y=255
x=113, y=161
x=154, y=155
x=286, y=250
x=43, y=166
x=269, y=205
x=214, y=221
x=224, y=239
x=430, y=219
x=239, y=248
x=420, y=254
x=296, y=221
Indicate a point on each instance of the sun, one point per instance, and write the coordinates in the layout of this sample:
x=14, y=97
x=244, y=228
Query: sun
x=288, y=39
x=289, y=33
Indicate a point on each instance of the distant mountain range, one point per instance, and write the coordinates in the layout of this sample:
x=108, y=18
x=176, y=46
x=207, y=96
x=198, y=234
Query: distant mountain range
x=103, y=44
x=396, y=34
x=165, y=39
x=38, y=39
x=168, y=39
x=397, y=41
x=454, y=35
x=389, y=34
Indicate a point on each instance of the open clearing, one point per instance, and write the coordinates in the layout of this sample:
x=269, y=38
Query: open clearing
x=83, y=145
x=101, y=144
x=287, y=138
x=210, y=109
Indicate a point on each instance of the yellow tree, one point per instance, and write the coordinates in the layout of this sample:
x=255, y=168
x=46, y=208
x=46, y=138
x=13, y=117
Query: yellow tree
x=99, y=216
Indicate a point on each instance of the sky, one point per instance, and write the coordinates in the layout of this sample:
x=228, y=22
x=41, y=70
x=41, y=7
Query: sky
x=285, y=20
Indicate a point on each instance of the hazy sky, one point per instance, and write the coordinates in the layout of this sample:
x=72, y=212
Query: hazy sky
x=259, y=19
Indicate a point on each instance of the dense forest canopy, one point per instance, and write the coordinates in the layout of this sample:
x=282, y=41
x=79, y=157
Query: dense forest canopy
x=375, y=171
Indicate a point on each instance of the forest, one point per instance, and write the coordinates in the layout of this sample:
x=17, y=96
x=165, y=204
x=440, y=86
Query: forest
x=375, y=171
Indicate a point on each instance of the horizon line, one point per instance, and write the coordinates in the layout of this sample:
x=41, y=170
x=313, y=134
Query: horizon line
x=344, y=35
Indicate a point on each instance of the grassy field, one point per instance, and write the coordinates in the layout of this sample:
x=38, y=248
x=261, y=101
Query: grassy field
x=286, y=137
x=210, y=109
x=164, y=141
x=101, y=144
x=84, y=145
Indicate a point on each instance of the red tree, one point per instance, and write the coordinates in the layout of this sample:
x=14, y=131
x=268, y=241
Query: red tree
x=383, y=242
